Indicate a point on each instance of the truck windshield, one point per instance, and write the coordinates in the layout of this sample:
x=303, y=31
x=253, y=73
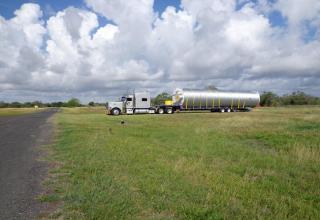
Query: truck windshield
x=129, y=99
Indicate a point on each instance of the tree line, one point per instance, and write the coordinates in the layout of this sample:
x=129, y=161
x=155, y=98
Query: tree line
x=73, y=102
x=266, y=99
x=295, y=98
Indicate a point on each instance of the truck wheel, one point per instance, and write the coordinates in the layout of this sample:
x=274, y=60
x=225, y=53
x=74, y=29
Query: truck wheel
x=115, y=111
x=228, y=110
x=160, y=110
x=222, y=110
x=169, y=110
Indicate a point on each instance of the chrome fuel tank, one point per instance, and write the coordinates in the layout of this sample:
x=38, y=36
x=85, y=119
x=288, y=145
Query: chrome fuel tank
x=207, y=99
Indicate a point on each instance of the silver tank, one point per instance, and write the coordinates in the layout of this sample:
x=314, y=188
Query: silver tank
x=207, y=99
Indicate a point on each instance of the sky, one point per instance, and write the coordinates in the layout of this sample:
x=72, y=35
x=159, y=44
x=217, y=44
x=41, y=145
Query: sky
x=97, y=50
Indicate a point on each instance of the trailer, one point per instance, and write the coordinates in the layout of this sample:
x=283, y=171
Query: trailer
x=186, y=100
x=216, y=100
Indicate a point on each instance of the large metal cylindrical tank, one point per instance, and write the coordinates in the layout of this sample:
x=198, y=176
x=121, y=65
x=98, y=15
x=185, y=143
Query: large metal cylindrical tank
x=207, y=99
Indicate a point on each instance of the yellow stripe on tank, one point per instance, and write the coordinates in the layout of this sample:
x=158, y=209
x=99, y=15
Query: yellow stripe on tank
x=206, y=102
x=187, y=103
x=193, y=103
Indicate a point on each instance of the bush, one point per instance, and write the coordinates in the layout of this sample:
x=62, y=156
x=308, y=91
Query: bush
x=269, y=99
x=4, y=105
x=299, y=98
x=159, y=99
x=16, y=105
x=74, y=102
x=295, y=98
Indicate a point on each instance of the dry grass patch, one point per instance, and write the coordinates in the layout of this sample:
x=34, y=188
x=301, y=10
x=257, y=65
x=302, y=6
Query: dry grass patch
x=18, y=111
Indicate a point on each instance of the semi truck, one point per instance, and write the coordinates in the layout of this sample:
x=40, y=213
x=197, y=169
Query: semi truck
x=185, y=100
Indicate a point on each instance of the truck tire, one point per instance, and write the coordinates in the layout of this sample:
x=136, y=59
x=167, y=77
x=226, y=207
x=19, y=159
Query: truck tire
x=222, y=110
x=115, y=111
x=169, y=111
x=160, y=111
x=228, y=110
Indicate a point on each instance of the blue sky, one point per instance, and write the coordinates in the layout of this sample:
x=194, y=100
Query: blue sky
x=49, y=8
x=7, y=7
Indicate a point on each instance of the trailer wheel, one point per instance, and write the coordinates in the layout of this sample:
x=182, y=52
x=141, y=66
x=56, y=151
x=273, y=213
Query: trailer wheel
x=115, y=111
x=169, y=111
x=160, y=110
x=228, y=110
x=222, y=110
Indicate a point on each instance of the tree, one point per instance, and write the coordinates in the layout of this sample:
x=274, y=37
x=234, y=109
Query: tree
x=269, y=99
x=91, y=104
x=299, y=98
x=74, y=102
x=159, y=99
x=15, y=105
x=4, y=105
x=57, y=104
x=211, y=87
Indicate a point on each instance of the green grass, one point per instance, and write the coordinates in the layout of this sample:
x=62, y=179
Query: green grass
x=17, y=111
x=264, y=165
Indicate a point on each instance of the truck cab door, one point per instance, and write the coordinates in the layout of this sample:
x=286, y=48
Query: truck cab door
x=129, y=102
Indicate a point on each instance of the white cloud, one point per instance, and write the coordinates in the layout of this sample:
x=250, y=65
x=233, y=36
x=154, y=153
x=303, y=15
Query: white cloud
x=28, y=20
x=297, y=11
x=20, y=41
x=206, y=42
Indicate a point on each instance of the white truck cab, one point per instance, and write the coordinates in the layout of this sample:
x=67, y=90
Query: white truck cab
x=137, y=103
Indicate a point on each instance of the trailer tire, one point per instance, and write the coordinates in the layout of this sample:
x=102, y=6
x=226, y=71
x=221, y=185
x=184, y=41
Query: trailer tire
x=169, y=111
x=160, y=111
x=115, y=111
x=222, y=110
x=228, y=110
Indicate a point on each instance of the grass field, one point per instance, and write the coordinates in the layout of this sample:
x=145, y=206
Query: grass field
x=263, y=164
x=17, y=111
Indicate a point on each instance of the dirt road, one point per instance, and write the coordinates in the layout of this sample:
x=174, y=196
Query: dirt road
x=21, y=172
